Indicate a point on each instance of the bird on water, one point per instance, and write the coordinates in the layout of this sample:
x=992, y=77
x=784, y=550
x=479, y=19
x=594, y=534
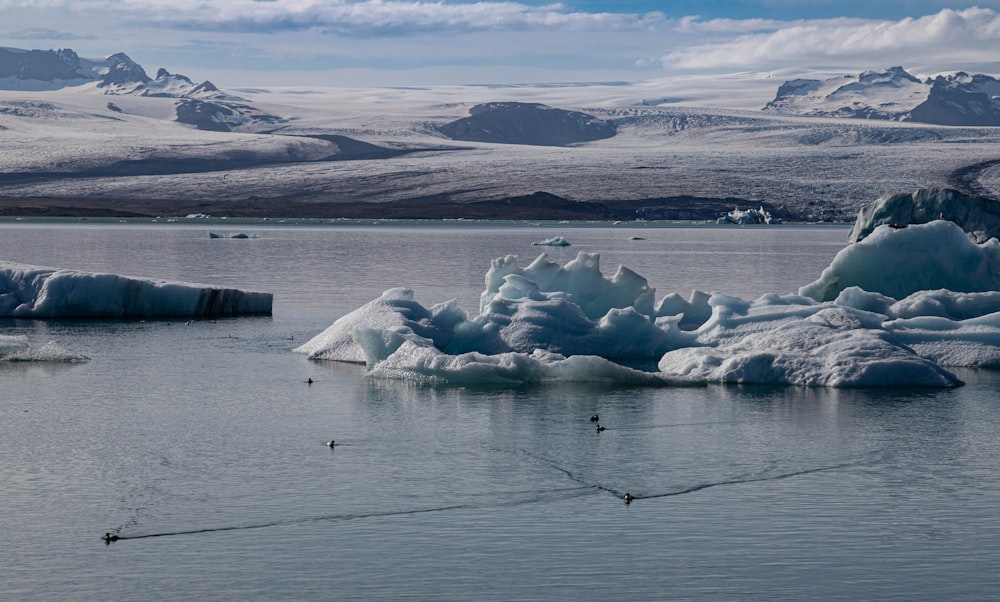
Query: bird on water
x=628, y=497
x=595, y=418
x=600, y=428
x=331, y=443
x=108, y=538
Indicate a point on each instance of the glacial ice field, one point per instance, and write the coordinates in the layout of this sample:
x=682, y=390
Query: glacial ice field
x=65, y=145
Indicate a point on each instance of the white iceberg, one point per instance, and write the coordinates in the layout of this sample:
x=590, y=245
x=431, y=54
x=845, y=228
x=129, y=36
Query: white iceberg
x=555, y=241
x=544, y=323
x=28, y=291
x=892, y=309
x=898, y=262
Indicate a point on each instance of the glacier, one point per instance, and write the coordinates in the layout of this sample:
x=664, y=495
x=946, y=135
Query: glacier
x=546, y=322
x=28, y=291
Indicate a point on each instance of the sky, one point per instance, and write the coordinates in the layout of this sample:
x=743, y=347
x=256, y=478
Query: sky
x=419, y=42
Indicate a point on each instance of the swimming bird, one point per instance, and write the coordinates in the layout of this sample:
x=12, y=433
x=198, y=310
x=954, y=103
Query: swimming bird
x=595, y=418
x=600, y=428
x=331, y=443
x=628, y=497
x=309, y=381
x=108, y=538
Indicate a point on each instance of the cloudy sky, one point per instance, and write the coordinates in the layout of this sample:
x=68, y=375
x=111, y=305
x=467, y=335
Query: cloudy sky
x=411, y=42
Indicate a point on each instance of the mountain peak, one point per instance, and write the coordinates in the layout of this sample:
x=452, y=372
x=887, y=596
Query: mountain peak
x=895, y=94
x=122, y=71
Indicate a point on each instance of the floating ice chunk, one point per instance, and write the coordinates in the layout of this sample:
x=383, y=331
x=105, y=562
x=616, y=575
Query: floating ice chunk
x=900, y=262
x=38, y=292
x=835, y=347
x=395, y=313
x=555, y=241
x=11, y=344
x=748, y=216
x=238, y=235
x=979, y=217
x=49, y=352
x=544, y=323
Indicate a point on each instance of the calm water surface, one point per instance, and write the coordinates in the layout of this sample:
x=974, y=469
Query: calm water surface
x=202, y=445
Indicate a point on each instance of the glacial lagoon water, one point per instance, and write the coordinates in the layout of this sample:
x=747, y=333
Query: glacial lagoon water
x=201, y=443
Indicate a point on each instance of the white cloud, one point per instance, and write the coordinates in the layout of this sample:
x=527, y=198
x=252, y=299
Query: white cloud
x=947, y=37
x=44, y=33
x=352, y=18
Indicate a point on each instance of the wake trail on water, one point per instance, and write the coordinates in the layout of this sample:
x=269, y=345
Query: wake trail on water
x=524, y=497
x=739, y=480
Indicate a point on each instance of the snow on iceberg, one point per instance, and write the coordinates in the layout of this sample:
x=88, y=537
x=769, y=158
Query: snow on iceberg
x=833, y=347
x=28, y=291
x=900, y=262
x=546, y=322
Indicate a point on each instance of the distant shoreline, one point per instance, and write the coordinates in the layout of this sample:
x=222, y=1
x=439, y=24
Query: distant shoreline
x=536, y=206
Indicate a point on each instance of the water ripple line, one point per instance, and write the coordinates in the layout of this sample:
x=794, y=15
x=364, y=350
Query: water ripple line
x=740, y=481
x=537, y=497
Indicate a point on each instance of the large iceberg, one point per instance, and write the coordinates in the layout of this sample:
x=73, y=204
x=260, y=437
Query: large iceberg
x=893, y=309
x=28, y=291
x=550, y=323
x=979, y=217
x=901, y=261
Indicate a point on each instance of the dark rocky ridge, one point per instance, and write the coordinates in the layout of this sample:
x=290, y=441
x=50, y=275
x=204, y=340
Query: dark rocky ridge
x=41, y=65
x=535, y=206
x=527, y=123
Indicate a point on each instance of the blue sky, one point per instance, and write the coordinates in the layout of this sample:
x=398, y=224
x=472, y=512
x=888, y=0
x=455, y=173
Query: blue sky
x=412, y=42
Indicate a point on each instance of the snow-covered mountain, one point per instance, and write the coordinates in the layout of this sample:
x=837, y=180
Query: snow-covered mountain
x=894, y=94
x=201, y=105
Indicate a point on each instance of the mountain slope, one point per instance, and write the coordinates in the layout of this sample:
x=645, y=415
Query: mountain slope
x=527, y=123
x=960, y=99
x=201, y=105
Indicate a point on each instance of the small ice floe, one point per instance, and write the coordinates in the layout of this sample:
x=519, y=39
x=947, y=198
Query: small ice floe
x=49, y=352
x=555, y=241
x=748, y=216
x=232, y=235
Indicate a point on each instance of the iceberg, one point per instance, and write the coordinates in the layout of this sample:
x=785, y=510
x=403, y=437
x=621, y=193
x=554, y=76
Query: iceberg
x=552, y=323
x=748, y=216
x=898, y=262
x=894, y=308
x=978, y=217
x=28, y=291
x=555, y=241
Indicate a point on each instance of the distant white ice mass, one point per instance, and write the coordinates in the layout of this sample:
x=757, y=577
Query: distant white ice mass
x=28, y=291
x=555, y=241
